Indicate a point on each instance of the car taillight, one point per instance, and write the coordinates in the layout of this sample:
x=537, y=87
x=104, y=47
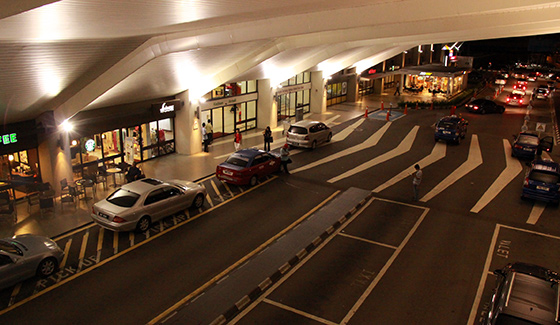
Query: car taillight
x=92, y=211
x=517, y=146
x=306, y=137
x=521, y=101
x=507, y=100
x=526, y=182
x=475, y=107
x=118, y=219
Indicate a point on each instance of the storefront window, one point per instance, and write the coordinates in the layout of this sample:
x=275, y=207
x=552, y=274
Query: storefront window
x=21, y=171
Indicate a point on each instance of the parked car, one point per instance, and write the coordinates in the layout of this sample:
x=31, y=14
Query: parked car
x=451, y=128
x=528, y=145
x=136, y=205
x=308, y=134
x=247, y=166
x=542, y=181
x=524, y=294
x=24, y=256
x=484, y=106
x=516, y=97
x=520, y=84
x=532, y=76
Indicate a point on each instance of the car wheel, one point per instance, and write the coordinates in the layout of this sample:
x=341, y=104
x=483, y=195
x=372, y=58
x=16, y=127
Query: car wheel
x=253, y=181
x=502, y=110
x=482, y=112
x=313, y=145
x=329, y=137
x=143, y=224
x=198, y=201
x=47, y=267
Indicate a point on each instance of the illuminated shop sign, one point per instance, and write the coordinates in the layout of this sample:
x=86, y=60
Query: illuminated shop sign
x=425, y=73
x=8, y=138
x=165, y=108
x=90, y=145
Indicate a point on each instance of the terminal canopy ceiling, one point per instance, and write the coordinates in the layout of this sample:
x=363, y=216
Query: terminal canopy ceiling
x=72, y=55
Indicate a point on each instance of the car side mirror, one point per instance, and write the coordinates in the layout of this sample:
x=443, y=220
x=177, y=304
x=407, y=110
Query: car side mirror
x=499, y=273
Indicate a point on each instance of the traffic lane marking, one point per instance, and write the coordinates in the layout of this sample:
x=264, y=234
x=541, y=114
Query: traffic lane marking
x=74, y=274
x=536, y=212
x=320, y=248
x=404, y=146
x=473, y=161
x=502, y=250
x=295, y=311
x=372, y=141
x=438, y=152
x=342, y=135
x=166, y=314
x=513, y=168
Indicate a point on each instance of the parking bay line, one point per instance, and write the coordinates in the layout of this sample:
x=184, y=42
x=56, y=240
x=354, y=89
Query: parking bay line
x=513, y=168
x=403, y=147
x=117, y=255
x=486, y=269
x=257, y=250
x=474, y=160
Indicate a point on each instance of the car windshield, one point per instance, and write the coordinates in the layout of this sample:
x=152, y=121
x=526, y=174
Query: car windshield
x=447, y=125
x=528, y=139
x=543, y=177
x=10, y=248
x=237, y=161
x=123, y=198
x=297, y=130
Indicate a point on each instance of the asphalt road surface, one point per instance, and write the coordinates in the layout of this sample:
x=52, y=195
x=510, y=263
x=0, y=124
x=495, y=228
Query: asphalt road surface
x=396, y=261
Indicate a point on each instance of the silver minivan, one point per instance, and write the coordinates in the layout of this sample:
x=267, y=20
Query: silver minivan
x=308, y=134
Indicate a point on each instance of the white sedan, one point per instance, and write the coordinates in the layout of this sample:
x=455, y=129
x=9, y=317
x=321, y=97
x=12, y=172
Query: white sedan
x=136, y=205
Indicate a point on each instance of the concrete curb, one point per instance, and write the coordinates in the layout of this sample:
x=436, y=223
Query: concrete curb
x=286, y=267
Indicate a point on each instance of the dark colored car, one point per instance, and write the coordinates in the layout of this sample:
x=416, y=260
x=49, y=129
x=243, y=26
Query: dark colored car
x=527, y=145
x=542, y=182
x=247, y=166
x=484, y=106
x=520, y=84
x=524, y=294
x=451, y=128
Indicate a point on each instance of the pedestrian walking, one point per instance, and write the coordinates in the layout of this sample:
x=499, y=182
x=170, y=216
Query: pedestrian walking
x=398, y=90
x=267, y=133
x=285, y=157
x=237, y=140
x=204, y=137
x=416, y=181
x=210, y=132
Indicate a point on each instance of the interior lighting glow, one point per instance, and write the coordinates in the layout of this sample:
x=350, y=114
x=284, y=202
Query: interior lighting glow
x=67, y=126
x=11, y=157
x=74, y=142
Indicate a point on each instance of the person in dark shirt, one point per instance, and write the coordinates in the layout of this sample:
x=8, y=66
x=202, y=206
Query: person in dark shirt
x=133, y=173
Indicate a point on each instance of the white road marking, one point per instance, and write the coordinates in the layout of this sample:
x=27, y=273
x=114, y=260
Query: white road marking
x=438, y=152
x=299, y=312
x=347, y=131
x=217, y=190
x=382, y=272
x=369, y=142
x=100, y=243
x=474, y=160
x=83, y=251
x=402, y=148
x=536, y=211
x=116, y=242
x=480, y=289
x=331, y=120
x=513, y=168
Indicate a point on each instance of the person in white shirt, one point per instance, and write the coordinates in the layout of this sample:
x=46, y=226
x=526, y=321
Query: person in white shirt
x=416, y=181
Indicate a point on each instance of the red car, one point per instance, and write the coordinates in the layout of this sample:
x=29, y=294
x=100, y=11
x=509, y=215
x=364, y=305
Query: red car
x=247, y=166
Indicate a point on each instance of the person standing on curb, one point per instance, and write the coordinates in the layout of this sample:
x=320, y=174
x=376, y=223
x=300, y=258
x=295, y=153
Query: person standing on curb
x=204, y=137
x=416, y=181
x=209, y=132
x=285, y=158
x=237, y=140
x=267, y=138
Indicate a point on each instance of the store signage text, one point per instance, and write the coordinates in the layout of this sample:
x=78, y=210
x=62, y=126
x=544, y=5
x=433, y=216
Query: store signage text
x=8, y=138
x=166, y=108
x=230, y=101
x=293, y=89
